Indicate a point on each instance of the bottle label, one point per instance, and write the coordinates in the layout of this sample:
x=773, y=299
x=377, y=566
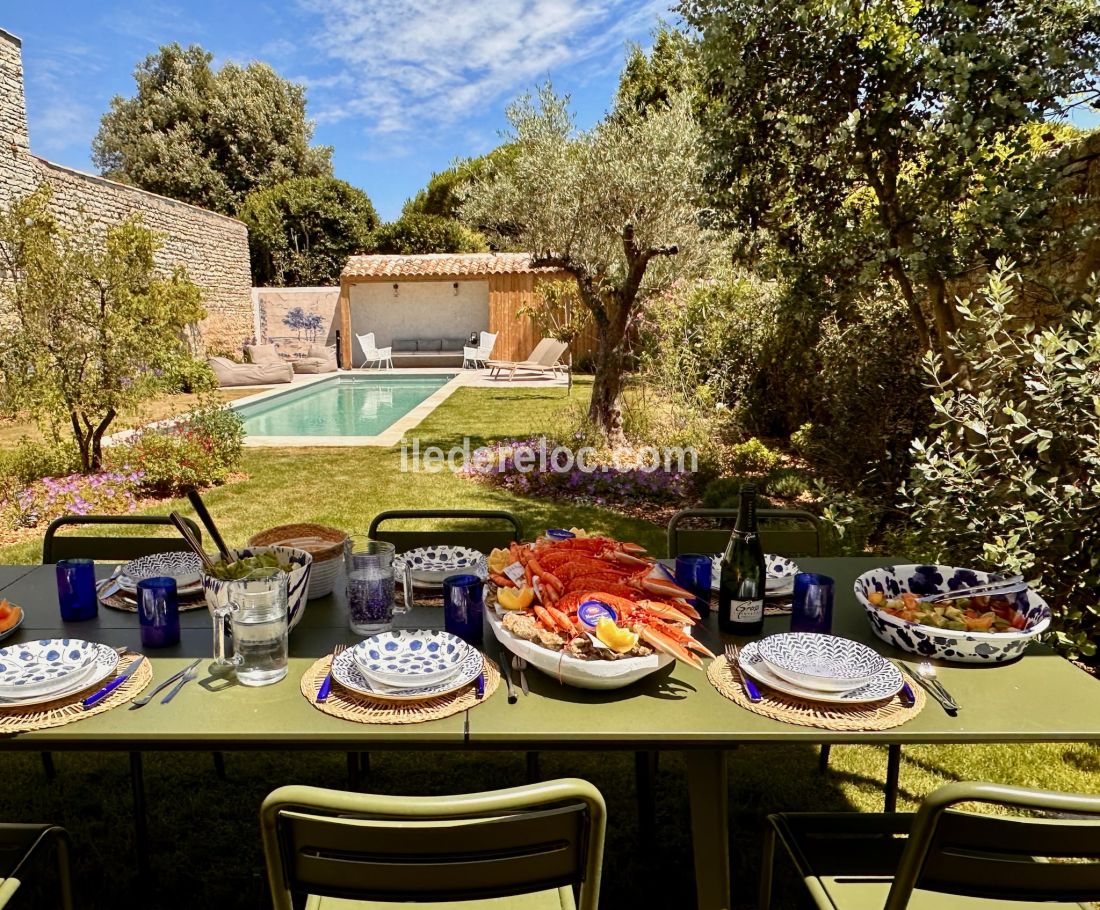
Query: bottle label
x=746, y=610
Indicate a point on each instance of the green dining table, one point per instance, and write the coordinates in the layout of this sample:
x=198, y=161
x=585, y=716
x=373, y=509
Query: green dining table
x=1039, y=698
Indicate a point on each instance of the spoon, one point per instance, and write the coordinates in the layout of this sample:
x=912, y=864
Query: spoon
x=927, y=672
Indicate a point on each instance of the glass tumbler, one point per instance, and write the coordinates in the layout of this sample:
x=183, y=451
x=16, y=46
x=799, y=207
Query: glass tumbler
x=694, y=571
x=464, y=607
x=812, y=605
x=76, y=592
x=369, y=572
x=158, y=612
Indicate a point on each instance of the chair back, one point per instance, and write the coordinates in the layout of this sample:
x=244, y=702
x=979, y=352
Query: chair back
x=117, y=549
x=783, y=532
x=486, y=345
x=358, y=846
x=999, y=857
x=553, y=353
x=504, y=528
x=366, y=342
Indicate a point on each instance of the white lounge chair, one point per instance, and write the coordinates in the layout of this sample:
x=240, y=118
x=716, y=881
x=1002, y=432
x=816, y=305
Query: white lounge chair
x=480, y=354
x=374, y=354
x=545, y=358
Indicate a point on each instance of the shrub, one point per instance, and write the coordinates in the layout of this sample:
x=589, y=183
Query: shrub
x=751, y=457
x=191, y=375
x=725, y=492
x=1009, y=478
x=788, y=483
x=201, y=450
x=38, y=503
x=31, y=459
x=412, y=234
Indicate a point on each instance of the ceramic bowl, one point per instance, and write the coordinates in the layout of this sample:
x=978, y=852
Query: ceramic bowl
x=217, y=590
x=409, y=659
x=884, y=685
x=824, y=662
x=184, y=566
x=46, y=665
x=348, y=674
x=946, y=644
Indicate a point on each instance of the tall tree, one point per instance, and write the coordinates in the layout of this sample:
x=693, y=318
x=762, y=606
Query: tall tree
x=207, y=137
x=652, y=79
x=900, y=138
x=411, y=234
x=301, y=231
x=88, y=327
x=616, y=206
x=443, y=194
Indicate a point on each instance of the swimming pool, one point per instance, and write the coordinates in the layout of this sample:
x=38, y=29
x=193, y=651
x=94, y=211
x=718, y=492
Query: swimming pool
x=340, y=407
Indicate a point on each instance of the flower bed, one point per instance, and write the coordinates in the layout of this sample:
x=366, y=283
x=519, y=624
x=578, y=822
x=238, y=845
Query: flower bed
x=107, y=493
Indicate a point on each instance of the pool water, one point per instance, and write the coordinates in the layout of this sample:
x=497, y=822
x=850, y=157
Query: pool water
x=342, y=406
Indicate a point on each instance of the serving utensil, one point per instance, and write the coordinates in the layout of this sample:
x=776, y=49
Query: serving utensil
x=507, y=674
x=184, y=680
x=752, y=693
x=204, y=516
x=175, y=677
x=519, y=665
x=928, y=672
x=326, y=685
x=1012, y=585
x=185, y=532
x=96, y=697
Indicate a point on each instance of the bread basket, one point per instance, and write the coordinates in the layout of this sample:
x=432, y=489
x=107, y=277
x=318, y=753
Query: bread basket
x=324, y=544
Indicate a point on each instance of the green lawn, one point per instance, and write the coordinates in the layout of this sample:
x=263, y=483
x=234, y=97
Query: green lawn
x=204, y=831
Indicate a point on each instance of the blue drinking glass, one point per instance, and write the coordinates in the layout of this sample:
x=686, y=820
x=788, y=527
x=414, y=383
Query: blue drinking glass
x=76, y=589
x=694, y=571
x=464, y=607
x=812, y=606
x=158, y=612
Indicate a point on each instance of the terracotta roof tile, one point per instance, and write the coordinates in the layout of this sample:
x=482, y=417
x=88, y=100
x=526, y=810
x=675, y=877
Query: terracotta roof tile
x=439, y=265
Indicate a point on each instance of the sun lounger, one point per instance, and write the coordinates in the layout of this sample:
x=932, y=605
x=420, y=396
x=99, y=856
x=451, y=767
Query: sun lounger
x=545, y=358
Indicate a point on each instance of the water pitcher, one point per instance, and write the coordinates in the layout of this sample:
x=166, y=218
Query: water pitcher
x=255, y=613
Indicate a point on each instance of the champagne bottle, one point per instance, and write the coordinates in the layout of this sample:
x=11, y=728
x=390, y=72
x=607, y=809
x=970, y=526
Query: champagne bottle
x=741, y=588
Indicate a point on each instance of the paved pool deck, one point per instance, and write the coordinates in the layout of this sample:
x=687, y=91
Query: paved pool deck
x=393, y=434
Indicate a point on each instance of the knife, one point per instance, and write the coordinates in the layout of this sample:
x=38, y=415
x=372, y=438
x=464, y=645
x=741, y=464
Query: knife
x=507, y=674
x=479, y=690
x=97, y=697
x=520, y=665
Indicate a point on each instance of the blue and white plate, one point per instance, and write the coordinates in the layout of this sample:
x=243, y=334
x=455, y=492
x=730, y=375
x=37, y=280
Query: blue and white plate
x=430, y=565
x=43, y=666
x=823, y=662
x=184, y=566
x=347, y=673
x=403, y=659
x=100, y=670
x=781, y=572
x=885, y=684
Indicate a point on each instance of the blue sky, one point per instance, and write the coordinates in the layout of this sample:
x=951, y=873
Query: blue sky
x=398, y=87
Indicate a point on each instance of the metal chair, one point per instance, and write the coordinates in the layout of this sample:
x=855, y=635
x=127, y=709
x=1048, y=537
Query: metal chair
x=784, y=532
x=119, y=549
x=18, y=843
x=850, y=861
x=543, y=842
x=478, y=538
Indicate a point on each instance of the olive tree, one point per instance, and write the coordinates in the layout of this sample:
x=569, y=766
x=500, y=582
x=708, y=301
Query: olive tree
x=895, y=138
x=615, y=206
x=87, y=326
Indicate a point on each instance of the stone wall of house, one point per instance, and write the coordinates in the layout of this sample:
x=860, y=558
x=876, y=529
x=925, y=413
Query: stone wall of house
x=211, y=247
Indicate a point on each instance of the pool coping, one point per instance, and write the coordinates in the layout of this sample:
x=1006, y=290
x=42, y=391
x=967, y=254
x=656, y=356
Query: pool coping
x=387, y=438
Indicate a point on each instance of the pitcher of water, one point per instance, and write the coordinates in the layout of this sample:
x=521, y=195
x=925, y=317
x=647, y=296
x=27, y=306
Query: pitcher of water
x=256, y=615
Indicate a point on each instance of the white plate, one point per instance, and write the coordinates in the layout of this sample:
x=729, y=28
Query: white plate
x=36, y=667
x=346, y=672
x=408, y=659
x=184, y=566
x=885, y=685
x=781, y=572
x=814, y=661
x=430, y=565
x=102, y=668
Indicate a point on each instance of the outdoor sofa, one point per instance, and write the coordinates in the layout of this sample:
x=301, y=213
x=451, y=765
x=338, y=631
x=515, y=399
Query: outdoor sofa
x=427, y=352
x=230, y=374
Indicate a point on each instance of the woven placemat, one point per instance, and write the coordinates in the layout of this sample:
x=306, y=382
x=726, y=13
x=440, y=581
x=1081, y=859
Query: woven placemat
x=68, y=709
x=120, y=602
x=881, y=715
x=362, y=709
x=778, y=606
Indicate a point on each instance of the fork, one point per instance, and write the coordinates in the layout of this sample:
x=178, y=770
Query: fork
x=732, y=653
x=175, y=677
x=519, y=665
x=927, y=673
x=184, y=680
x=326, y=685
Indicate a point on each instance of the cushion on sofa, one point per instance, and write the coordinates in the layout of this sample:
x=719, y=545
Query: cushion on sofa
x=431, y=345
x=454, y=344
x=404, y=345
x=261, y=353
x=321, y=351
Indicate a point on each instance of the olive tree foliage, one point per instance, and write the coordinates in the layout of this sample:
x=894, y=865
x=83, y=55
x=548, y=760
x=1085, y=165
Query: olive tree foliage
x=905, y=139
x=87, y=327
x=205, y=136
x=616, y=206
x=1009, y=474
x=302, y=231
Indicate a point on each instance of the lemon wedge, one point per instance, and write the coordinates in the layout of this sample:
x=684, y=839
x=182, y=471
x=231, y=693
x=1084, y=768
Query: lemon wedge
x=515, y=598
x=498, y=560
x=618, y=640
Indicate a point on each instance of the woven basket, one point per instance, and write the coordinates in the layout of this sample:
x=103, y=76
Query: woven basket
x=325, y=544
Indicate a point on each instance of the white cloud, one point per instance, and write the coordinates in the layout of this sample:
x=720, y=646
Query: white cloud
x=411, y=65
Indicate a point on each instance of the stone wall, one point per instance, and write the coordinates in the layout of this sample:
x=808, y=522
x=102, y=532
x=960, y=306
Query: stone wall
x=211, y=247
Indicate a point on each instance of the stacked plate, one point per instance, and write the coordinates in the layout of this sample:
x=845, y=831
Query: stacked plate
x=781, y=572
x=185, y=567
x=405, y=665
x=42, y=671
x=821, y=668
x=430, y=565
